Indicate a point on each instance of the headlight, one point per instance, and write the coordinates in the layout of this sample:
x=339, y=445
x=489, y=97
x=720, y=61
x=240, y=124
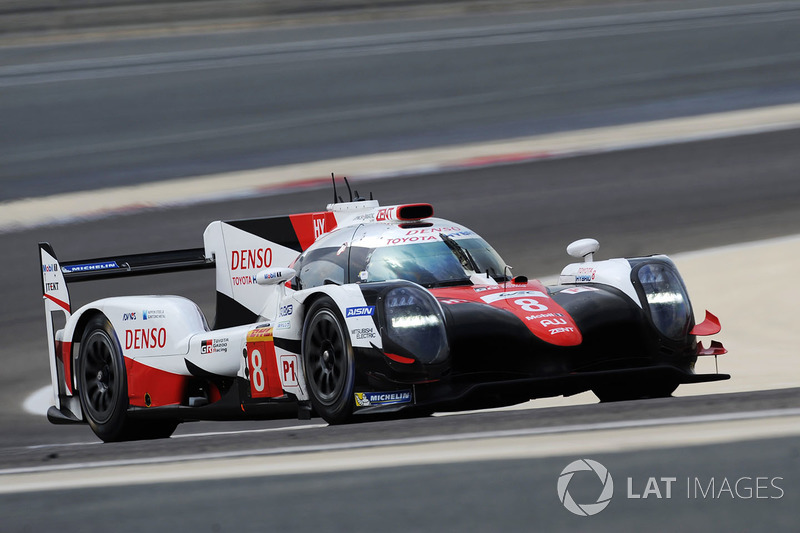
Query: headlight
x=666, y=297
x=414, y=324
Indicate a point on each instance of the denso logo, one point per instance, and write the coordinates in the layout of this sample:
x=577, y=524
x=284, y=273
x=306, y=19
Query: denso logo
x=360, y=311
x=247, y=259
x=139, y=339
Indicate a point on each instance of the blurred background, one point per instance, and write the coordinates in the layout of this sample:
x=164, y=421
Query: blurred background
x=667, y=126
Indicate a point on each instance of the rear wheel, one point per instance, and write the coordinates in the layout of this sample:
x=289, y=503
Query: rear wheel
x=103, y=388
x=328, y=363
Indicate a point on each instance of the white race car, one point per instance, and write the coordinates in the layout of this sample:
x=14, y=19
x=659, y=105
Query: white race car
x=360, y=309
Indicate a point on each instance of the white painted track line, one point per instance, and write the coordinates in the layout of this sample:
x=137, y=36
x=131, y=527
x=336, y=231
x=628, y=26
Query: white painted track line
x=435, y=449
x=32, y=212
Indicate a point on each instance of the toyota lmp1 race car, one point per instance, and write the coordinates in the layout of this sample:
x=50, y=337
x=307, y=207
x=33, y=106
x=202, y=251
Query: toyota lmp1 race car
x=359, y=310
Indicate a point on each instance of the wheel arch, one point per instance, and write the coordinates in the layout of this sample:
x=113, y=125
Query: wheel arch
x=343, y=297
x=79, y=321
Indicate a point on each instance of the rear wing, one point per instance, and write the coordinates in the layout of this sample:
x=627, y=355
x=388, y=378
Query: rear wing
x=136, y=264
x=55, y=274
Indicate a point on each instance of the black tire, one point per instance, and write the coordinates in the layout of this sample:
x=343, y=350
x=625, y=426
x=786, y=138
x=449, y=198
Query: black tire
x=328, y=363
x=614, y=393
x=103, y=388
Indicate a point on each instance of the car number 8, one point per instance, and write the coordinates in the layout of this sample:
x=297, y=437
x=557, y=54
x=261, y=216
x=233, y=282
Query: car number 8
x=530, y=305
x=258, y=374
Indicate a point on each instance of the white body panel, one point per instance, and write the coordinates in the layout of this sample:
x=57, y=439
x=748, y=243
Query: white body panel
x=613, y=272
x=239, y=256
x=220, y=351
x=153, y=330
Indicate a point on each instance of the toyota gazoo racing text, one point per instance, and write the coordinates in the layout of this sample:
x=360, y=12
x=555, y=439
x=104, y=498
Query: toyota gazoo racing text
x=360, y=309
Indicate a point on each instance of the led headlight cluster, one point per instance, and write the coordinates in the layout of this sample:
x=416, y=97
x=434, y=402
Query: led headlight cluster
x=666, y=296
x=414, y=322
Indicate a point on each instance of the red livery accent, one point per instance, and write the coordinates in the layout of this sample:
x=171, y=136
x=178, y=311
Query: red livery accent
x=311, y=226
x=414, y=211
x=530, y=302
x=61, y=304
x=404, y=212
x=164, y=388
x=262, y=365
x=64, y=352
x=709, y=326
x=399, y=358
x=716, y=348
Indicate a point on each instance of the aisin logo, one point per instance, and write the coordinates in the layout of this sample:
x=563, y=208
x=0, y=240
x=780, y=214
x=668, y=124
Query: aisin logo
x=585, y=509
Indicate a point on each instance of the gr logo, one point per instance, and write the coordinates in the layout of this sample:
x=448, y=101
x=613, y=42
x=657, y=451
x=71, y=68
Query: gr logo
x=585, y=509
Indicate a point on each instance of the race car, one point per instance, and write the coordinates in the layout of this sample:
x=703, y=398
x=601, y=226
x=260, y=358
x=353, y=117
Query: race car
x=360, y=310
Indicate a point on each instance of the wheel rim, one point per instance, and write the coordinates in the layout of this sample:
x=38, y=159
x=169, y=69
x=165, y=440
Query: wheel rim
x=99, y=377
x=327, y=357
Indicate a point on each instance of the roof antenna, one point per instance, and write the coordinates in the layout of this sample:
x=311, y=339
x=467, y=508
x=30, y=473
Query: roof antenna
x=348, y=188
x=334, y=187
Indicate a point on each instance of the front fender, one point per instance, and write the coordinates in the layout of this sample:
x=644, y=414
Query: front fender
x=359, y=315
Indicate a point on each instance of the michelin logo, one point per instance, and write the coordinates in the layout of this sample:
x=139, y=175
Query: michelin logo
x=360, y=311
x=89, y=267
x=367, y=399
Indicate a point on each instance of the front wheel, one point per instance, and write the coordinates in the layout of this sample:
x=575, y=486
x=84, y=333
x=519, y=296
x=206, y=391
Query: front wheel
x=328, y=362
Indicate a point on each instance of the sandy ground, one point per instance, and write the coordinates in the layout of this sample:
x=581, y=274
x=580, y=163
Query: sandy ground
x=750, y=288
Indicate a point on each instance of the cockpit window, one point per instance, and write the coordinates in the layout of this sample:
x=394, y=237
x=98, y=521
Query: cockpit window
x=320, y=266
x=432, y=263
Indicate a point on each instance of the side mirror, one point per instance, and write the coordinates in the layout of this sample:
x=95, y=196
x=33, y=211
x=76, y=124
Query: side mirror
x=275, y=275
x=584, y=248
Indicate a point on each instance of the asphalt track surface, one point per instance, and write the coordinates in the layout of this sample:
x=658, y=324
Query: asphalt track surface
x=514, y=495
x=84, y=115
x=662, y=199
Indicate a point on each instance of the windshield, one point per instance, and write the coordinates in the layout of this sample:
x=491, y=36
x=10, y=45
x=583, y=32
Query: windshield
x=433, y=263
